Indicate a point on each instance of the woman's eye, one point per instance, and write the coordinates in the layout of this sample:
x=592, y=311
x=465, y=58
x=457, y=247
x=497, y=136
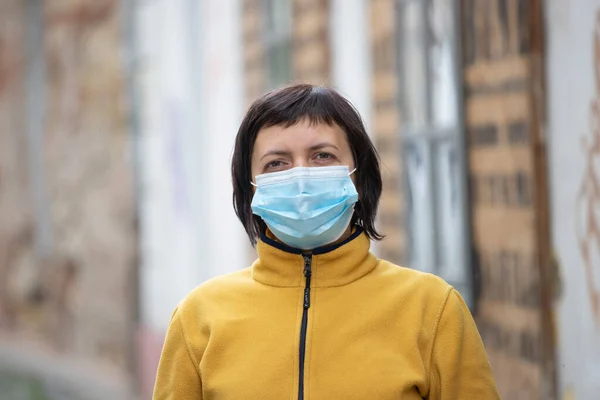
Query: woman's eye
x=274, y=164
x=324, y=156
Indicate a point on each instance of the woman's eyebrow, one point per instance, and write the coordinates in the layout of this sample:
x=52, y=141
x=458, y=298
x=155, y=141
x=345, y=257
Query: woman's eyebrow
x=276, y=153
x=318, y=146
x=321, y=146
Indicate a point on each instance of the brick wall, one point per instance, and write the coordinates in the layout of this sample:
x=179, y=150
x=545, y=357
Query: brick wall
x=310, y=45
x=386, y=129
x=254, y=63
x=502, y=106
x=79, y=297
x=310, y=55
x=503, y=109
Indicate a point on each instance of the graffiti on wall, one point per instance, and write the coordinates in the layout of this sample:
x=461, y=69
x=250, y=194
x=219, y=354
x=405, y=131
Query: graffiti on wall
x=588, y=197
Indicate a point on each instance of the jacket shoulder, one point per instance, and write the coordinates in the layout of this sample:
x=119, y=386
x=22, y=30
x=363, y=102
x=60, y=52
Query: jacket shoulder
x=216, y=289
x=422, y=286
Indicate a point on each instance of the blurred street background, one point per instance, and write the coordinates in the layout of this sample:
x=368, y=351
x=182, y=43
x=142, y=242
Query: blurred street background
x=117, y=121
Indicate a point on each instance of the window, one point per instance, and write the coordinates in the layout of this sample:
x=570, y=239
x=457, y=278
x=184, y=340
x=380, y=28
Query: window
x=433, y=140
x=277, y=31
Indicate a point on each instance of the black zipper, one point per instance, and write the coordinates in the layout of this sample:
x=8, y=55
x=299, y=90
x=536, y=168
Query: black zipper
x=304, y=325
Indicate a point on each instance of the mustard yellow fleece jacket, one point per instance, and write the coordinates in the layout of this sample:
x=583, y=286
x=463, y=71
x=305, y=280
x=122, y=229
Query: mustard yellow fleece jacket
x=338, y=324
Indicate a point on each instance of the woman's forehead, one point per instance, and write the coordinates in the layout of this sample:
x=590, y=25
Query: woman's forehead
x=299, y=136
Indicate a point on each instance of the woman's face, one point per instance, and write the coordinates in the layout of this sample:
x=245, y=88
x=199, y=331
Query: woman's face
x=302, y=145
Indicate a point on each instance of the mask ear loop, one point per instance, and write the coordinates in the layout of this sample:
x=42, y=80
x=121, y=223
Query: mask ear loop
x=253, y=184
x=351, y=172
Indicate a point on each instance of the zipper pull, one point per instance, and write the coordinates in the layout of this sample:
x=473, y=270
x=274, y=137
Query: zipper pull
x=307, y=265
x=307, y=275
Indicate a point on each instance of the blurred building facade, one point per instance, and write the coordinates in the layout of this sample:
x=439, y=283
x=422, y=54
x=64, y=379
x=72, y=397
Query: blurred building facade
x=118, y=125
x=68, y=241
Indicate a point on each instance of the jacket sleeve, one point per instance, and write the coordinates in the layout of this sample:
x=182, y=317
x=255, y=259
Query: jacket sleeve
x=178, y=376
x=459, y=367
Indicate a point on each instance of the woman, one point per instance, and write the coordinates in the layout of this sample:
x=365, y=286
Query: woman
x=317, y=316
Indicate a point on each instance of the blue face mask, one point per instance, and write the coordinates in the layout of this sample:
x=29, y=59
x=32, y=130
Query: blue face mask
x=305, y=207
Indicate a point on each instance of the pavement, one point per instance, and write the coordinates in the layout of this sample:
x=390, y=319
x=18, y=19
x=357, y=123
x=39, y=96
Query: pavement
x=30, y=373
x=22, y=387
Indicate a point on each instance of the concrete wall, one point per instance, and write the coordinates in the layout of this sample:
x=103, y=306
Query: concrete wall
x=351, y=53
x=573, y=81
x=190, y=97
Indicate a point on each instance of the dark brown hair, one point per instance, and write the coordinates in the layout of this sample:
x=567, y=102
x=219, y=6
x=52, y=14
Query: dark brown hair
x=286, y=107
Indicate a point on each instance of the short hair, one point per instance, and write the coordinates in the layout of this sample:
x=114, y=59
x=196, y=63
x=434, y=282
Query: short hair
x=286, y=107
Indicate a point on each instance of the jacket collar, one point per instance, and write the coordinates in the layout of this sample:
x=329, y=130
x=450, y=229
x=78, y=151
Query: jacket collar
x=335, y=265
